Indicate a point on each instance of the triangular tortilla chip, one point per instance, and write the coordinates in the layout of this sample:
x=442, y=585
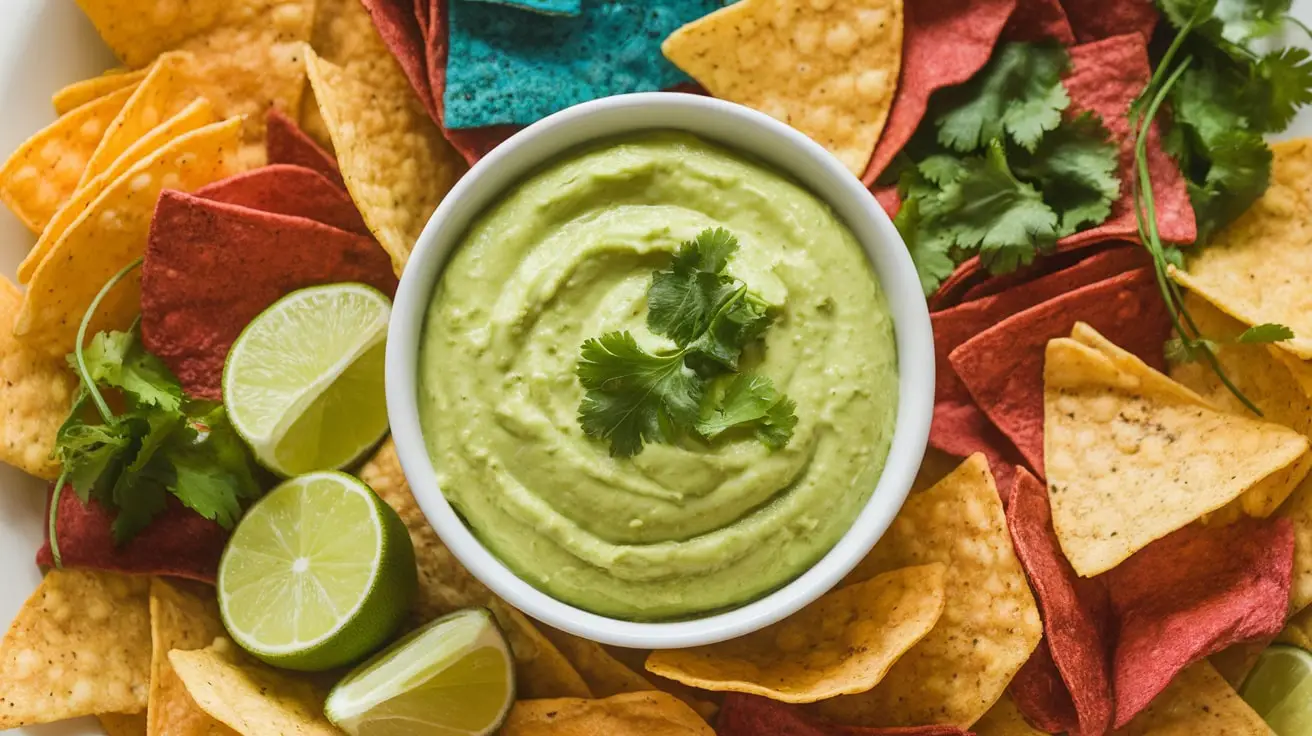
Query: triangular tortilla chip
x=120, y=724
x=1199, y=701
x=1298, y=630
x=43, y=173
x=604, y=675
x=396, y=164
x=1257, y=269
x=843, y=643
x=827, y=69
x=1004, y=719
x=195, y=115
x=249, y=697
x=111, y=233
x=288, y=144
x=79, y=646
x=1298, y=509
x=182, y=618
x=38, y=392
x=80, y=93
x=1132, y=456
x=631, y=714
x=987, y=630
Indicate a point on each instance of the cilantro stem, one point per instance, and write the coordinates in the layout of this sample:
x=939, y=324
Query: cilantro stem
x=1300, y=24
x=53, y=531
x=82, y=373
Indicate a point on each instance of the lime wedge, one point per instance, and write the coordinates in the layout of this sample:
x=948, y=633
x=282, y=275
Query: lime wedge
x=303, y=383
x=317, y=575
x=453, y=677
x=1280, y=690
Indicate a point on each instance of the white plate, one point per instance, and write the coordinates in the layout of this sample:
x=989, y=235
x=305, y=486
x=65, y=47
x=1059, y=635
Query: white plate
x=45, y=44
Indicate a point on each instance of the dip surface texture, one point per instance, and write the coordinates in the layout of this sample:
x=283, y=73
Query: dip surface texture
x=676, y=530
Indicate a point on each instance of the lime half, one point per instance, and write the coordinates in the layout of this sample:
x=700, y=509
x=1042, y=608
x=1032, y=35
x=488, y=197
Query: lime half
x=453, y=677
x=317, y=575
x=303, y=383
x=1280, y=690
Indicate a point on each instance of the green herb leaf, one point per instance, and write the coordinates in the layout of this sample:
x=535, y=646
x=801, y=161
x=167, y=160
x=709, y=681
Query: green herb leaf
x=1019, y=92
x=683, y=298
x=1284, y=81
x=747, y=401
x=931, y=255
x=1075, y=169
x=1267, y=332
x=739, y=321
x=118, y=360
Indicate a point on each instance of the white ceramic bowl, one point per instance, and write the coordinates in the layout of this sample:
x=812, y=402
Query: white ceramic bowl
x=765, y=139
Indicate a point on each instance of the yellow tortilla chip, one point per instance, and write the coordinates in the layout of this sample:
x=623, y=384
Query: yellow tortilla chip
x=827, y=69
x=79, y=646
x=1235, y=662
x=541, y=671
x=195, y=115
x=110, y=234
x=43, y=173
x=1132, y=455
x=80, y=93
x=1199, y=701
x=182, y=617
x=604, y=674
x=990, y=623
x=1298, y=630
x=396, y=164
x=1257, y=269
x=631, y=714
x=38, y=391
x=249, y=697
x=1004, y=719
x=1298, y=509
x=844, y=643
x=119, y=724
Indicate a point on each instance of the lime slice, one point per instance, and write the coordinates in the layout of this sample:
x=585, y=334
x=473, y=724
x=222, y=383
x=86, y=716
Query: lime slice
x=453, y=677
x=303, y=384
x=1280, y=690
x=317, y=575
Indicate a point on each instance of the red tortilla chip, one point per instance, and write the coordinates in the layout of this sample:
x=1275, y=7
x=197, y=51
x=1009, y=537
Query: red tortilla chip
x=1194, y=593
x=1106, y=77
x=211, y=268
x=288, y=144
x=284, y=189
x=1131, y=256
x=1075, y=622
x=1042, y=697
x=1002, y=367
x=959, y=427
x=401, y=31
x=1094, y=20
x=1039, y=20
x=944, y=42
x=179, y=542
x=889, y=199
x=752, y=715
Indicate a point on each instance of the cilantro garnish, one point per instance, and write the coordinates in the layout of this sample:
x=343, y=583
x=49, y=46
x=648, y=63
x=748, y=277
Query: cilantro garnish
x=998, y=171
x=159, y=443
x=634, y=396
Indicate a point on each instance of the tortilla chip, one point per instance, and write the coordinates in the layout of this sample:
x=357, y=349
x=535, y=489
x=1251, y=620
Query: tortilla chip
x=1132, y=455
x=288, y=144
x=541, y=671
x=1192, y=594
x=197, y=114
x=249, y=697
x=44, y=172
x=1004, y=719
x=635, y=660
x=1256, y=269
x=345, y=35
x=1298, y=630
x=752, y=715
x=178, y=542
x=1236, y=661
x=990, y=623
x=396, y=165
x=181, y=618
x=398, y=28
x=79, y=646
x=1036, y=21
x=295, y=191
x=1097, y=19
x=1074, y=611
x=969, y=28
x=844, y=643
x=1002, y=367
x=1298, y=509
x=1106, y=78
x=828, y=70
x=604, y=674
x=110, y=234
x=631, y=714
x=80, y=93
x=1199, y=701
x=1042, y=697
x=119, y=724
x=37, y=396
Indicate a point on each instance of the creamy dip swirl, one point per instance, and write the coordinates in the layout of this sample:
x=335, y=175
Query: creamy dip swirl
x=676, y=530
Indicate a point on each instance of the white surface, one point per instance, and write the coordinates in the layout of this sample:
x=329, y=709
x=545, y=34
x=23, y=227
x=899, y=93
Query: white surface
x=786, y=150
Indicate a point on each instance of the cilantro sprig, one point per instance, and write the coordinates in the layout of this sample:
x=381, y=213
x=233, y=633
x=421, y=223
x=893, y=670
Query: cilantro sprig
x=634, y=396
x=997, y=170
x=158, y=443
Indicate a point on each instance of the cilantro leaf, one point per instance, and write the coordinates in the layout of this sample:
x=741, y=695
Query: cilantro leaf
x=1284, y=84
x=632, y=396
x=744, y=400
x=683, y=298
x=1237, y=175
x=1267, y=332
x=1019, y=92
x=740, y=320
x=1242, y=20
x=1075, y=169
x=931, y=257
x=117, y=360
x=1192, y=351
x=776, y=429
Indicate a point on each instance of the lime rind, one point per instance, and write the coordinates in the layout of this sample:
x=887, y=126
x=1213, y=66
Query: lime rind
x=1280, y=690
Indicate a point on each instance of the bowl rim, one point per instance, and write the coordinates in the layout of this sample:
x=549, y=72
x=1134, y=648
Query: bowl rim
x=789, y=152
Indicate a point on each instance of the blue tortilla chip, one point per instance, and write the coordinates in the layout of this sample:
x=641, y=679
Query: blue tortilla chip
x=549, y=7
x=506, y=66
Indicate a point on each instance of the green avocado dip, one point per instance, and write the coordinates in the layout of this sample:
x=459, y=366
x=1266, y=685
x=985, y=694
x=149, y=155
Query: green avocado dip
x=678, y=529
